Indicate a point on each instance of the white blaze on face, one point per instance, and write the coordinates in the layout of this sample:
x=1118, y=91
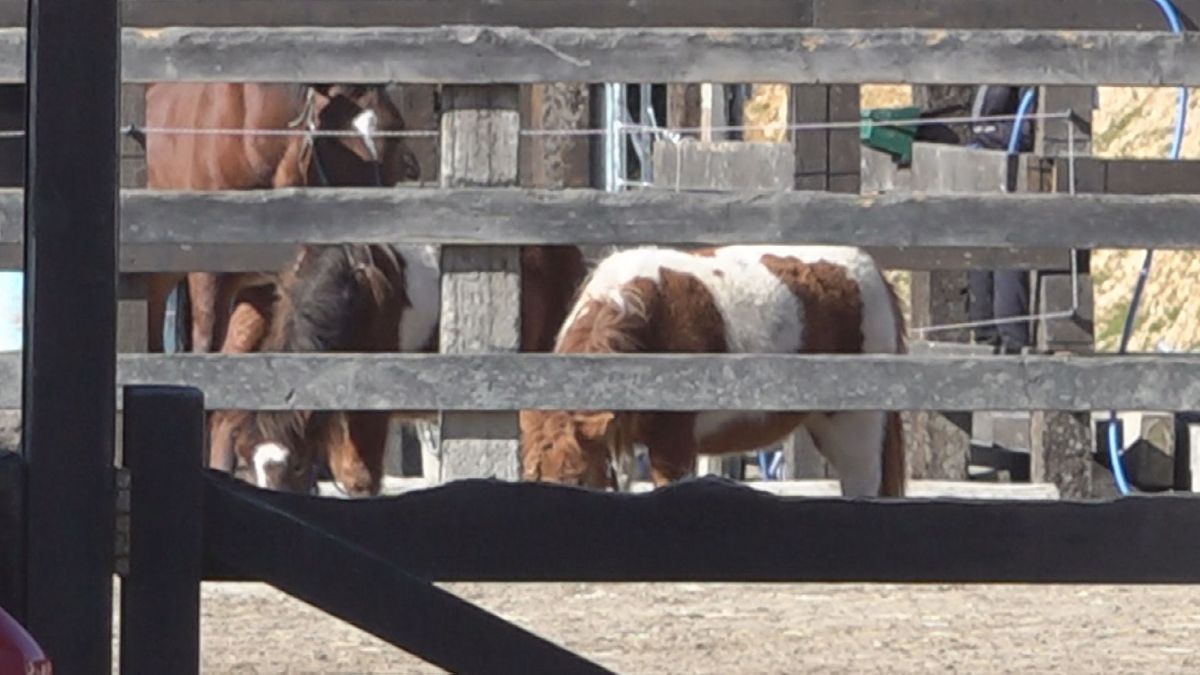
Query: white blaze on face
x=365, y=123
x=268, y=457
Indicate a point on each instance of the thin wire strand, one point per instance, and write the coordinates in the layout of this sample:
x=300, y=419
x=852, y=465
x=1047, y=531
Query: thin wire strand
x=1068, y=313
x=1057, y=314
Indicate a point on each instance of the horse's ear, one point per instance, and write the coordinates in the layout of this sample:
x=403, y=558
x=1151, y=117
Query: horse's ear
x=596, y=425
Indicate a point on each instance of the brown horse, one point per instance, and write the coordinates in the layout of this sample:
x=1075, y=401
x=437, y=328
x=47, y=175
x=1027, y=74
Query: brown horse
x=363, y=299
x=735, y=299
x=230, y=161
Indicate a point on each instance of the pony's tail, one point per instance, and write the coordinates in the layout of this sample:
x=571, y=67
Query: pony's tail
x=893, y=483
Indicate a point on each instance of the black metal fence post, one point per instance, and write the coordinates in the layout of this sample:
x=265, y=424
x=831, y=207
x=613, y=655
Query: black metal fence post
x=69, y=400
x=160, y=595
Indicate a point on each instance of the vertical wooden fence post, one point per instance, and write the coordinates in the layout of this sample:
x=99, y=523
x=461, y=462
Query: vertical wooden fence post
x=69, y=392
x=160, y=594
x=1062, y=442
x=481, y=285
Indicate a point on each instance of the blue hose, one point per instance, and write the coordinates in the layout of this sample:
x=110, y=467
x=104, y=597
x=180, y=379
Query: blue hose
x=1114, y=456
x=1014, y=137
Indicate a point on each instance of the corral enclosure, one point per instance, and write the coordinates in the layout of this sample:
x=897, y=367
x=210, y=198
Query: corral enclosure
x=485, y=531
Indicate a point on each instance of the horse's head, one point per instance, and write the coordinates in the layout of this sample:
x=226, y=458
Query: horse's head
x=362, y=158
x=571, y=448
x=268, y=449
x=332, y=299
x=282, y=450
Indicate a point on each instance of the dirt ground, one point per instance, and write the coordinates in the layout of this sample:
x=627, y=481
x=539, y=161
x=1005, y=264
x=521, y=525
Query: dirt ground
x=728, y=628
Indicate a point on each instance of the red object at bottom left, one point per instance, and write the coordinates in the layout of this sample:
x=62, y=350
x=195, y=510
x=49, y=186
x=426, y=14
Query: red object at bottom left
x=19, y=653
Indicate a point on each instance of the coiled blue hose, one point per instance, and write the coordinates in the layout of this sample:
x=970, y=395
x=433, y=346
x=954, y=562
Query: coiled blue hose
x=1114, y=455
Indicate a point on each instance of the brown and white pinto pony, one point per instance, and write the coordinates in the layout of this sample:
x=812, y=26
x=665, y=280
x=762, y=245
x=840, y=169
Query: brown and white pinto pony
x=735, y=299
x=364, y=299
x=225, y=161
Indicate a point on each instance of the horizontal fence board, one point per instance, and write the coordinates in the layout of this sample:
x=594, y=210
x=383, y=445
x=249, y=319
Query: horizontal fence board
x=484, y=55
x=480, y=530
x=663, y=382
x=518, y=216
x=526, y=13
x=998, y=14
x=983, y=14
x=268, y=258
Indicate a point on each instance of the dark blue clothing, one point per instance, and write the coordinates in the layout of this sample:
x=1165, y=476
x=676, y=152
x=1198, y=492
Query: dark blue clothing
x=999, y=294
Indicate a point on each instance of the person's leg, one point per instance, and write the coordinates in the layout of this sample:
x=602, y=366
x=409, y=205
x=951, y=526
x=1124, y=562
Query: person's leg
x=979, y=303
x=1011, y=298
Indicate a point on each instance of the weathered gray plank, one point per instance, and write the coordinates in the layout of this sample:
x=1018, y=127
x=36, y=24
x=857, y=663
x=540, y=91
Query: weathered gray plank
x=528, y=13
x=664, y=382
x=270, y=258
x=996, y=14
x=724, y=165
x=481, y=286
x=517, y=217
x=986, y=14
x=485, y=55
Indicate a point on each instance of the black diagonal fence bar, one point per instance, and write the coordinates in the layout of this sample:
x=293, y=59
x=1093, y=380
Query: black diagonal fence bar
x=378, y=593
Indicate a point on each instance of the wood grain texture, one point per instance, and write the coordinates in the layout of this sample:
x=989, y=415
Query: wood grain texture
x=528, y=13
x=513, y=216
x=489, y=55
x=469, y=382
x=982, y=14
x=481, y=286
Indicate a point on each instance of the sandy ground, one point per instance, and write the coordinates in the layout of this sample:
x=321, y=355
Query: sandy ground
x=728, y=628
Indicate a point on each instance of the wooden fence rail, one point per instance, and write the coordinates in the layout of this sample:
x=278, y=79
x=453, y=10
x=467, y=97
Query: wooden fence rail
x=488, y=382
x=504, y=216
x=259, y=230
x=484, y=55
x=983, y=14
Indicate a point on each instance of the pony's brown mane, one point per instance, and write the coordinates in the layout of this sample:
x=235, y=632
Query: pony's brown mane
x=609, y=325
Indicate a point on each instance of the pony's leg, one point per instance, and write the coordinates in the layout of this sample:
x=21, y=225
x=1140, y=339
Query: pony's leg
x=672, y=449
x=202, y=293
x=249, y=321
x=429, y=436
x=853, y=443
x=370, y=433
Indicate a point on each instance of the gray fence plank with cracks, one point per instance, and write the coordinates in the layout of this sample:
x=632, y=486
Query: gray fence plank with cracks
x=663, y=382
x=258, y=230
x=486, y=55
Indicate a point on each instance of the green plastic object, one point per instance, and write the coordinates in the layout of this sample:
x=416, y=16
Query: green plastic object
x=894, y=139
